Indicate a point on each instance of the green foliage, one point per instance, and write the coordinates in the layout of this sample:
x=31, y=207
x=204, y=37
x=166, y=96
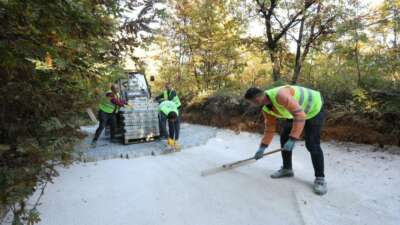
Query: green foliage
x=363, y=102
x=33, y=217
x=201, y=45
x=54, y=58
x=355, y=50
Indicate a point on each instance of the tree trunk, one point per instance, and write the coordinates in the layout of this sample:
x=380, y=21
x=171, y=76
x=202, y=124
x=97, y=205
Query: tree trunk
x=395, y=26
x=356, y=48
x=197, y=78
x=276, y=68
x=196, y=75
x=310, y=70
x=207, y=77
x=267, y=8
x=299, y=62
x=356, y=53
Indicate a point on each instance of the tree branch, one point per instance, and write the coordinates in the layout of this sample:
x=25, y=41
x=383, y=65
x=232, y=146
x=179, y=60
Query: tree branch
x=276, y=18
x=307, y=5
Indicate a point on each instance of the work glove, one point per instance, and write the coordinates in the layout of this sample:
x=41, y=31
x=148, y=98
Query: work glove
x=260, y=151
x=289, y=145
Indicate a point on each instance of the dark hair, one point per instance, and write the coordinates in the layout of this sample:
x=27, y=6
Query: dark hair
x=252, y=92
x=172, y=115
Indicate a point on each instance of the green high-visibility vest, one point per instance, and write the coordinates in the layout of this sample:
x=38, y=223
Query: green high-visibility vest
x=309, y=100
x=175, y=99
x=168, y=106
x=106, y=105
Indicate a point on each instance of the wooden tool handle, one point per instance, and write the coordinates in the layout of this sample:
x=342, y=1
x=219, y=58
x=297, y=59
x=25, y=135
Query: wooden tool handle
x=239, y=163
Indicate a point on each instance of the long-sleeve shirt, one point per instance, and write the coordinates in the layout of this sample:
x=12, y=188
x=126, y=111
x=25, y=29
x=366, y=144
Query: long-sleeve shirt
x=286, y=99
x=115, y=100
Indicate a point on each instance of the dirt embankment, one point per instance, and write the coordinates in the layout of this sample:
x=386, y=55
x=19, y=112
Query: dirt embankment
x=236, y=114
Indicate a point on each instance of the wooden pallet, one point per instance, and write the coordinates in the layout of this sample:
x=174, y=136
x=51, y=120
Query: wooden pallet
x=139, y=140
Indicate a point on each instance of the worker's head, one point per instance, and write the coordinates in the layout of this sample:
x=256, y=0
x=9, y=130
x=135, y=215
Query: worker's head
x=172, y=116
x=114, y=88
x=168, y=86
x=256, y=97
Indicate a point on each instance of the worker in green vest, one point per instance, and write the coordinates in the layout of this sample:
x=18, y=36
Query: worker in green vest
x=110, y=104
x=300, y=109
x=169, y=112
x=169, y=95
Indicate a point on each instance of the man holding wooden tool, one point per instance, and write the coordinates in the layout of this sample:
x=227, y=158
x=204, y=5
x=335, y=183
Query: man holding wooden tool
x=302, y=109
x=110, y=104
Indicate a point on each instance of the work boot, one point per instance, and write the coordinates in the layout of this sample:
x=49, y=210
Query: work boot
x=170, y=142
x=320, y=186
x=93, y=144
x=283, y=173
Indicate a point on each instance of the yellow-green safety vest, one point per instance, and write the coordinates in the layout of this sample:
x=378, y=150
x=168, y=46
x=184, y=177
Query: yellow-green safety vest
x=175, y=99
x=107, y=106
x=309, y=100
x=168, y=106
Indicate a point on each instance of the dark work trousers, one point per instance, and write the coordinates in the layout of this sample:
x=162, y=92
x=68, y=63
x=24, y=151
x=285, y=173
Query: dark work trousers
x=173, y=127
x=312, y=135
x=104, y=119
x=162, y=119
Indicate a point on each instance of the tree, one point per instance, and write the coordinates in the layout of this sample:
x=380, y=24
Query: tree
x=277, y=26
x=137, y=21
x=53, y=54
x=204, y=37
x=316, y=24
x=390, y=14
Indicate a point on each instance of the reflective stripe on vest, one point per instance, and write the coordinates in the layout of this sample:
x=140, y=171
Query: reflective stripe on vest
x=309, y=100
x=168, y=106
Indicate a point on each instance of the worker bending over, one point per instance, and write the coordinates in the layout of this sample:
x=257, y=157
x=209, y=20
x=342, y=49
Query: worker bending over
x=301, y=109
x=169, y=112
x=168, y=95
